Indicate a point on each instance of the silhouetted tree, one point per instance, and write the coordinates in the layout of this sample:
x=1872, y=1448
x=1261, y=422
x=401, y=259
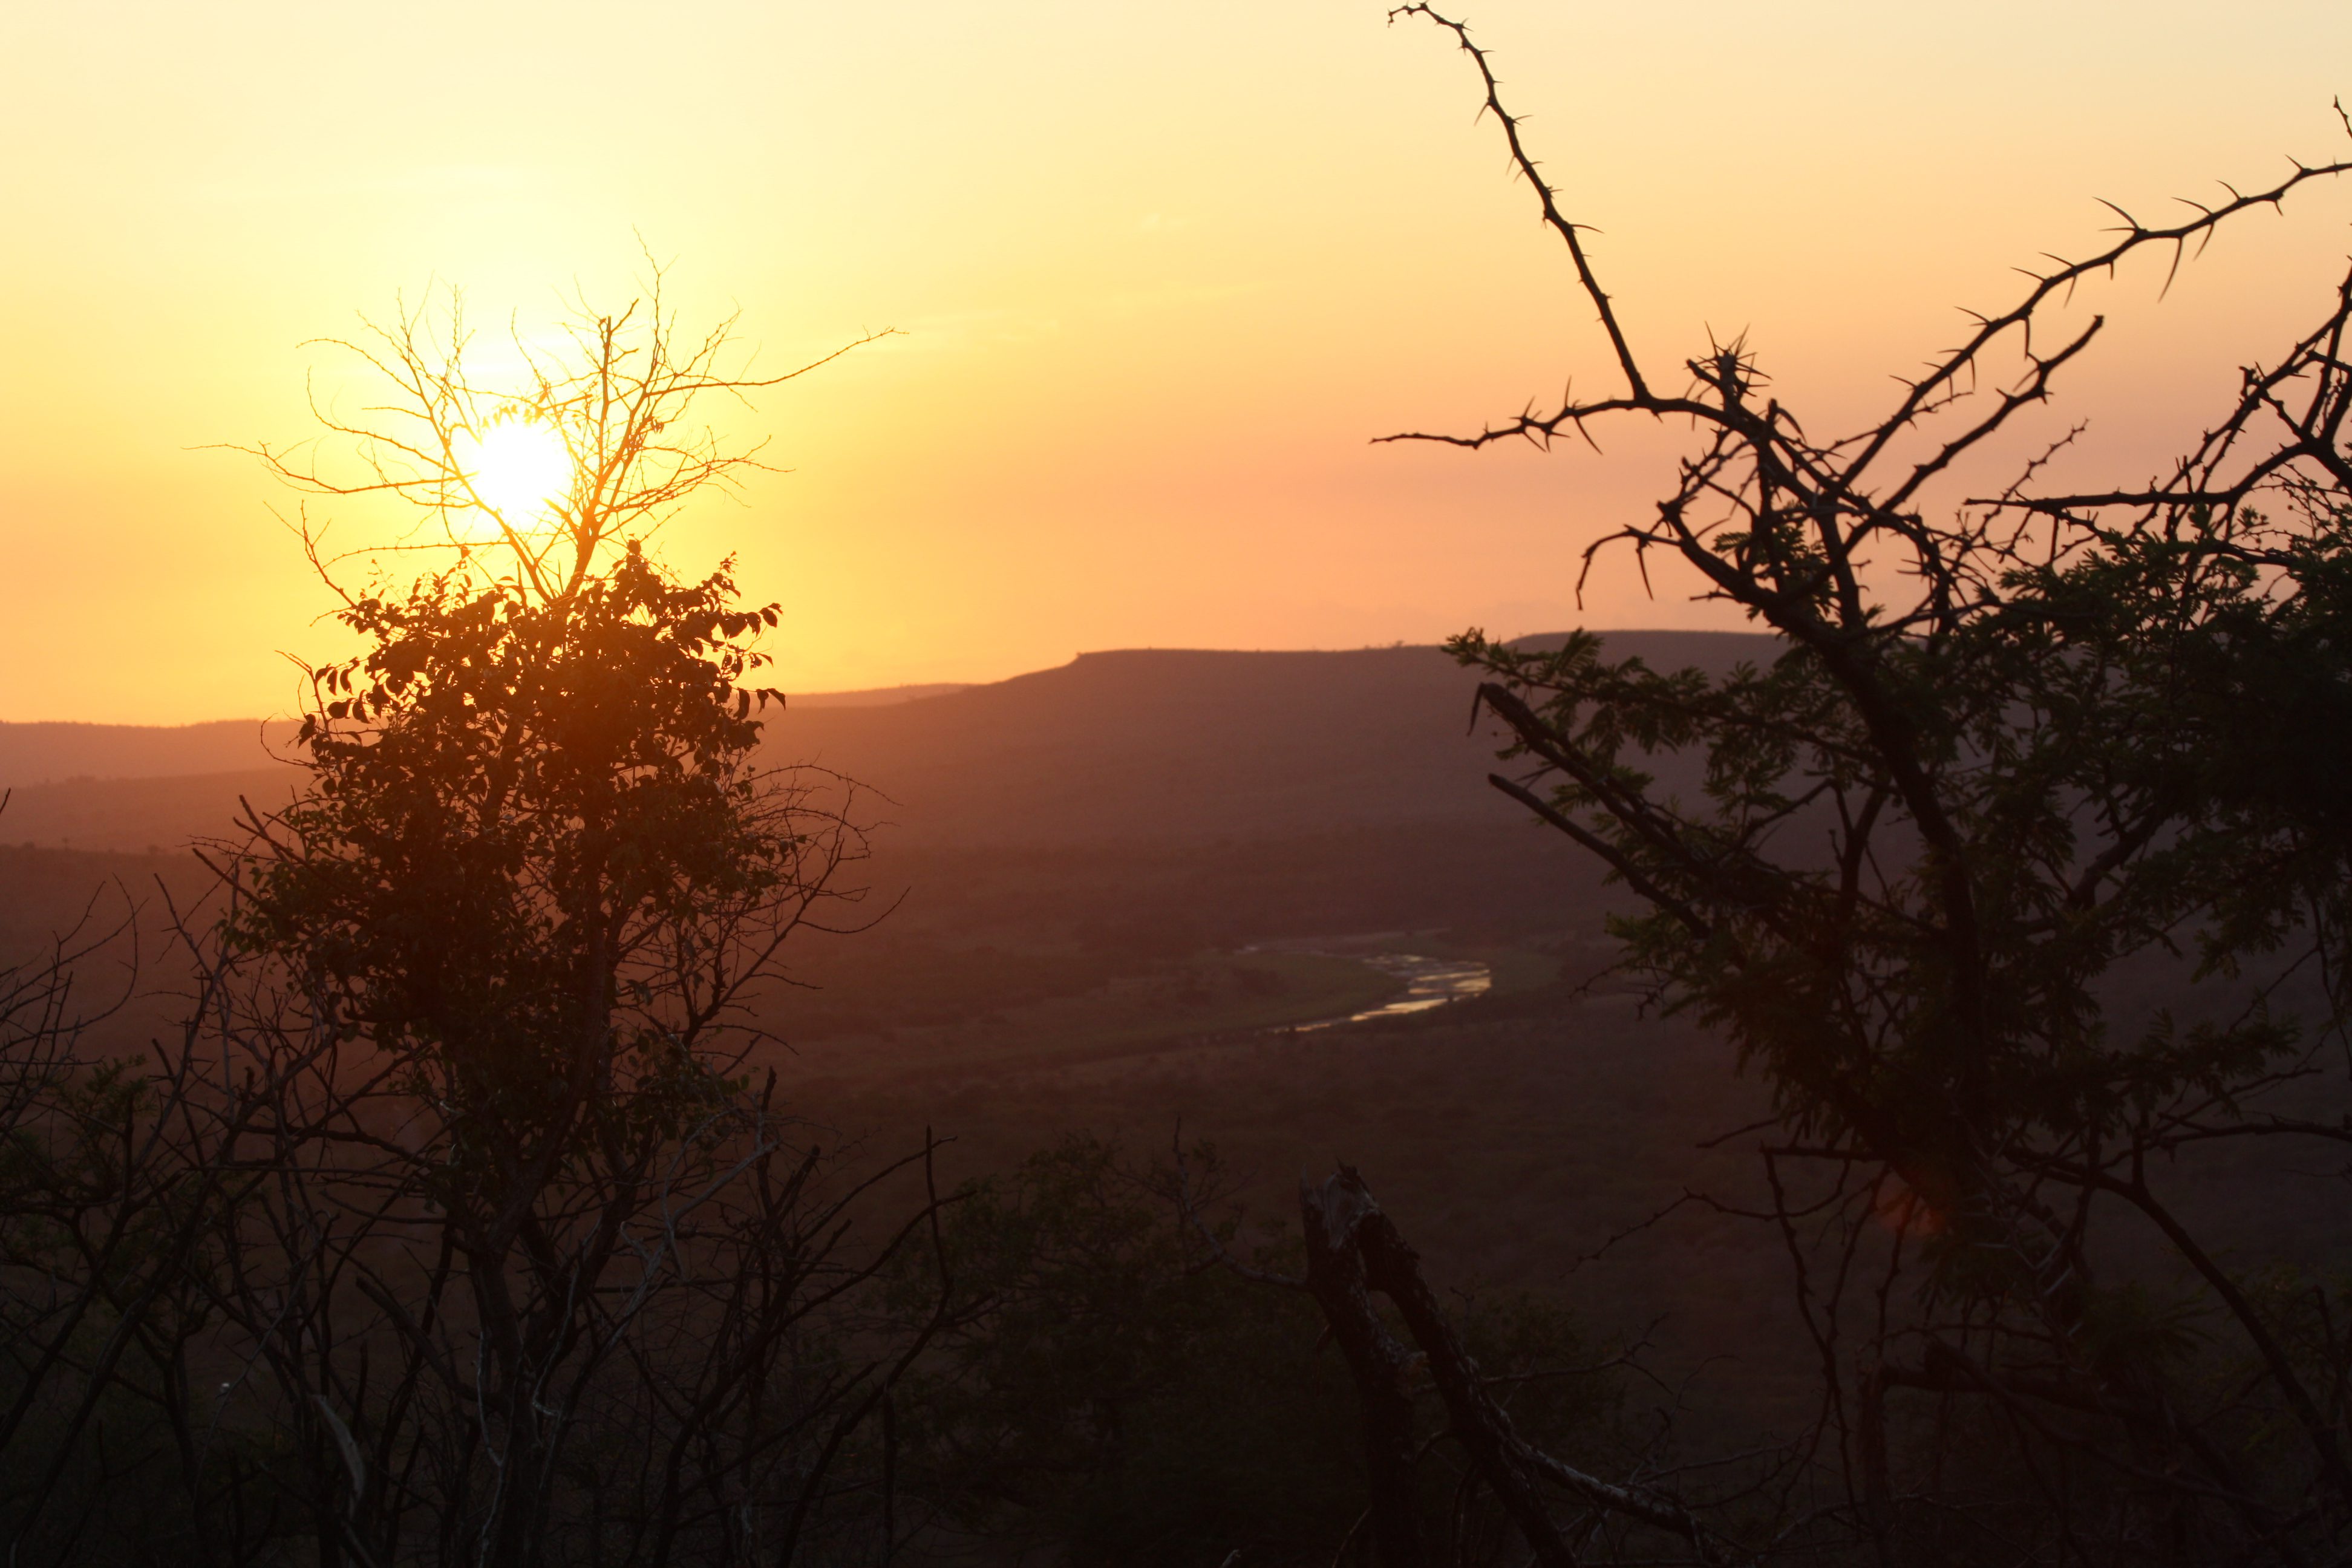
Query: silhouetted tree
x=99, y=1239
x=2022, y=768
x=534, y=1270
x=1114, y=1395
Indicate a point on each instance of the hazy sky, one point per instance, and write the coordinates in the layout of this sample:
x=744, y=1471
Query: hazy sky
x=1161, y=271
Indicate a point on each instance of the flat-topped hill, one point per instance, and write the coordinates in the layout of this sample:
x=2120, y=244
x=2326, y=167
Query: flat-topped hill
x=1153, y=745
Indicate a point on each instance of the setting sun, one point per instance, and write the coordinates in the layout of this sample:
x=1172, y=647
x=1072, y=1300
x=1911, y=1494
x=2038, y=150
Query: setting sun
x=516, y=469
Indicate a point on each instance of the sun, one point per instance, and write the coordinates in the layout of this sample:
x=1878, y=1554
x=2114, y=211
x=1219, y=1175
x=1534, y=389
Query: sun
x=517, y=468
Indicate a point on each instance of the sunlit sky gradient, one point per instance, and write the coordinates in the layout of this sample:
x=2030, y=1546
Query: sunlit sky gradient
x=1161, y=271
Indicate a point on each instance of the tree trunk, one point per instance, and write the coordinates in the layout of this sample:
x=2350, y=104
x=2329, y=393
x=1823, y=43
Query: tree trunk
x=1335, y=1275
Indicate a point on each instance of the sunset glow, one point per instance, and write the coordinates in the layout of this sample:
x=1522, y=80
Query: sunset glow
x=1160, y=277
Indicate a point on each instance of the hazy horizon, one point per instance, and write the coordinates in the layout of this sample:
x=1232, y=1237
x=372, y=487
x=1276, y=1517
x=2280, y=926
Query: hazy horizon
x=915, y=690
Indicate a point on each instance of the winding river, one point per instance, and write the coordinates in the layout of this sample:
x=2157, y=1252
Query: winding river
x=1429, y=982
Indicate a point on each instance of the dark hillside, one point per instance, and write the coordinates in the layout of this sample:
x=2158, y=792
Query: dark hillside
x=139, y=814
x=1075, y=872
x=1040, y=837
x=49, y=753
x=1134, y=746
x=1171, y=744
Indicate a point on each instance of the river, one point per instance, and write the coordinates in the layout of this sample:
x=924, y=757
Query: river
x=1429, y=982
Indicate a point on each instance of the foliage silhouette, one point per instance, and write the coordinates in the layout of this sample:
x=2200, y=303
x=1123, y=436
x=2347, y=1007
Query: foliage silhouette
x=2004, y=768
x=452, y=1227
x=1126, y=1399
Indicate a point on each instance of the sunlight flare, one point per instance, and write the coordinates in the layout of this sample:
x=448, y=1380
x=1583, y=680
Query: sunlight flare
x=517, y=470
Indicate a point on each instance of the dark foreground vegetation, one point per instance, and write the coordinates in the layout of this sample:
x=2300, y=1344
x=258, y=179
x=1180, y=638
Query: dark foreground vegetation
x=446, y=1194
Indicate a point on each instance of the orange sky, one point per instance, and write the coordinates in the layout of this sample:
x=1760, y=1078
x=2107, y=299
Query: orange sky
x=1161, y=271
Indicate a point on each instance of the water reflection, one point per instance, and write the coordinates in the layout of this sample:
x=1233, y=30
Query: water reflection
x=1429, y=982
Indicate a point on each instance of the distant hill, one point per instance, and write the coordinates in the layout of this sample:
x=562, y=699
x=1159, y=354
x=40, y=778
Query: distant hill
x=41, y=753
x=49, y=754
x=1034, y=840
x=139, y=814
x=1155, y=746
x=1137, y=746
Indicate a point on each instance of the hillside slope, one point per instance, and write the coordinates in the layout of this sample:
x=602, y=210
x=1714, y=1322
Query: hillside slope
x=1136, y=746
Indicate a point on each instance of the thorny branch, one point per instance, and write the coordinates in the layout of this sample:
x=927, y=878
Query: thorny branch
x=1988, y=765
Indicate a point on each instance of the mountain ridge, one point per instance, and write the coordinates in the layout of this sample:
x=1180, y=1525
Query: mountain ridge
x=1163, y=744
